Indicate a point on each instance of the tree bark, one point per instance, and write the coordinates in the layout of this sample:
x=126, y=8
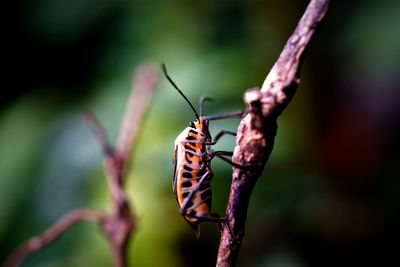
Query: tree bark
x=256, y=132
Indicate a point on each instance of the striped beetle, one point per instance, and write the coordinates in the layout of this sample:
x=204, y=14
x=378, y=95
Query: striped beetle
x=192, y=165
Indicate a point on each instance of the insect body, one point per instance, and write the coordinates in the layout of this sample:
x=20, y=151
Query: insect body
x=192, y=174
x=192, y=168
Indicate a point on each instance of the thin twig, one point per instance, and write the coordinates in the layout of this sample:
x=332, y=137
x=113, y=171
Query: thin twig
x=119, y=224
x=256, y=132
x=54, y=232
x=144, y=81
x=116, y=192
x=98, y=133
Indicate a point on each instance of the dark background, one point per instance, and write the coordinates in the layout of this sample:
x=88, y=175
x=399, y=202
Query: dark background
x=329, y=195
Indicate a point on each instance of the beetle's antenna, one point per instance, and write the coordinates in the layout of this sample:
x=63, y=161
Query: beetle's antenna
x=179, y=91
x=201, y=104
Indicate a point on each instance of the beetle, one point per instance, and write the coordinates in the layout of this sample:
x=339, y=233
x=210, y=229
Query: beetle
x=192, y=164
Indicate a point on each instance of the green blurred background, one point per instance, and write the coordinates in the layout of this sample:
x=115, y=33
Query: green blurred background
x=329, y=195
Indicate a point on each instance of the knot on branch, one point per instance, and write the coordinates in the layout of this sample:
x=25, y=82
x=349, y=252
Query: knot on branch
x=35, y=243
x=118, y=229
x=252, y=98
x=252, y=146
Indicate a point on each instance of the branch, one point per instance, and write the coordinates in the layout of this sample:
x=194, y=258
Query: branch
x=54, y=232
x=144, y=81
x=119, y=224
x=256, y=132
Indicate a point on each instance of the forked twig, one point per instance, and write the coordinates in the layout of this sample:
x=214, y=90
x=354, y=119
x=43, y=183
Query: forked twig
x=144, y=82
x=256, y=132
x=50, y=235
x=119, y=224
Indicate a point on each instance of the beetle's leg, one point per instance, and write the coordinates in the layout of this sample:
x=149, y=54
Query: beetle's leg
x=184, y=207
x=219, y=135
x=222, y=133
x=212, y=217
x=223, y=222
x=221, y=154
x=193, y=142
x=230, y=115
x=227, y=226
x=215, y=140
x=215, y=217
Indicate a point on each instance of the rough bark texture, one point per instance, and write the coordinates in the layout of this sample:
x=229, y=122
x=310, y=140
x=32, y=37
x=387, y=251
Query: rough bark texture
x=256, y=132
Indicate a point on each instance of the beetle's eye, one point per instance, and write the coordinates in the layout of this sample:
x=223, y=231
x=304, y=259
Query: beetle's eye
x=191, y=124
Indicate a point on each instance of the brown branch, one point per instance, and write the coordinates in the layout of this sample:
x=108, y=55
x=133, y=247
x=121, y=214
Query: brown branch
x=53, y=233
x=144, y=82
x=119, y=224
x=256, y=132
x=114, y=187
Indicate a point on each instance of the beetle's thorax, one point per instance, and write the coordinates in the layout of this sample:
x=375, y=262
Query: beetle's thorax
x=201, y=125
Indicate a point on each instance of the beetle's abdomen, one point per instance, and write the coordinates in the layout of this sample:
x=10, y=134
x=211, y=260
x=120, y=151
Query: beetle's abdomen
x=192, y=174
